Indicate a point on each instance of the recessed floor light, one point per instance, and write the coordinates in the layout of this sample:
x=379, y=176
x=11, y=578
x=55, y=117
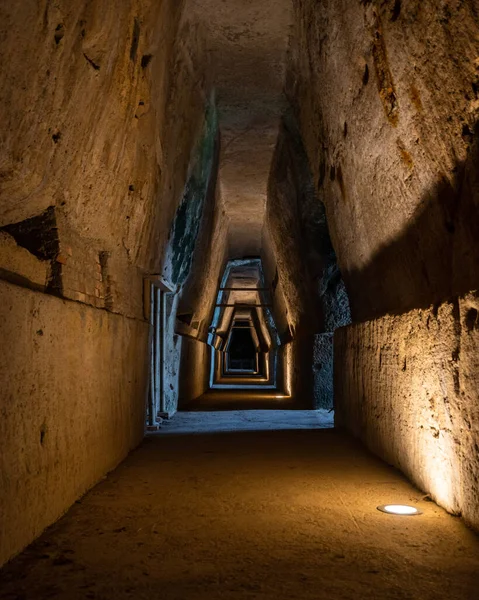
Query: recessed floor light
x=400, y=509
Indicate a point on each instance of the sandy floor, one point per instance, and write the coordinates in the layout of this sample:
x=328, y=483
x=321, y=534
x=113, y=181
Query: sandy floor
x=253, y=514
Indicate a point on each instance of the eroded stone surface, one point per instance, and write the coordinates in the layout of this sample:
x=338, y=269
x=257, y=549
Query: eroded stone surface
x=387, y=97
x=408, y=387
x=103, y=110
x=86, y=105
x=323, y=371
x=101, y=107
x=72, y=405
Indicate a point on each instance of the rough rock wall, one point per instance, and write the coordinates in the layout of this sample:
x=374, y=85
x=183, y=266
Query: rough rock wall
x=194, y=260
x=387, y=95
x=300, y=262
x=323, y=361
x=195, y=363
x=286, y=274
x=189, y=215
x=284, y=242
x=72, y=406
x=82, y=139
x=199, y=297
x=197, y=244
x=100, y=103
x=408, y=387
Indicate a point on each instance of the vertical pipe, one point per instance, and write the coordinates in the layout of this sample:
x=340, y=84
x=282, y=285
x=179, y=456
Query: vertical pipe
x=158, y=335
x=162, y=321
x=151, y=343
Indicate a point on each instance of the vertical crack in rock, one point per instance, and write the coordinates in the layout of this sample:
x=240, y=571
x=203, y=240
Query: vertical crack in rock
x=135, y=40
x=386, y=88
x=340, y=178
x=472, y=319
x=366, y=74
x=105, y=275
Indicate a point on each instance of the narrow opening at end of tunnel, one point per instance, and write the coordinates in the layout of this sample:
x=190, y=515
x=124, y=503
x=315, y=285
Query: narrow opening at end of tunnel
x=241, y=356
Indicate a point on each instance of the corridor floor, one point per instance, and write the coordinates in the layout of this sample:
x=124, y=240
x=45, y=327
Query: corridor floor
x=255, y=514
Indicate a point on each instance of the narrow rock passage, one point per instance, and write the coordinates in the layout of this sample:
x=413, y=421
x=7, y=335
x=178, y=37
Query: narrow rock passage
x=250, y=514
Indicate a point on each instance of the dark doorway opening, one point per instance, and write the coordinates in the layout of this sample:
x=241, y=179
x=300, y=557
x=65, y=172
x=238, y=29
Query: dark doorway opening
x=242, y=354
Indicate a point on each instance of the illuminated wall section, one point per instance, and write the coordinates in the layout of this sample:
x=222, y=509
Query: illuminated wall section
x=408, y=386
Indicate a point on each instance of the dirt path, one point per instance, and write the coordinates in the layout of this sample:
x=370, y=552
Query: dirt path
x=254, y=514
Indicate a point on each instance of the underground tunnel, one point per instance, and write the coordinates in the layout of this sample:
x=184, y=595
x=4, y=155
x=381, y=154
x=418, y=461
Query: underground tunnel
x=239, y=310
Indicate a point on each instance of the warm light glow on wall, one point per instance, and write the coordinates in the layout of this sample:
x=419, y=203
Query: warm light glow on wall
x=288, y=367
x=440, y=468
x=431, y=439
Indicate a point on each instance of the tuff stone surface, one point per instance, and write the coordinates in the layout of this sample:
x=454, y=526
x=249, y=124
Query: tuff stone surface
x=72, y=405
x=101, y=106
x=386, y=95
x=408, y=387
x=153, y=141
x=309, y=296
x=88, y=131
x=323, y=371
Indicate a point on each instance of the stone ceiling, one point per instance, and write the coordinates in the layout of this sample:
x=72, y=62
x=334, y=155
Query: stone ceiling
x=247, y=42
